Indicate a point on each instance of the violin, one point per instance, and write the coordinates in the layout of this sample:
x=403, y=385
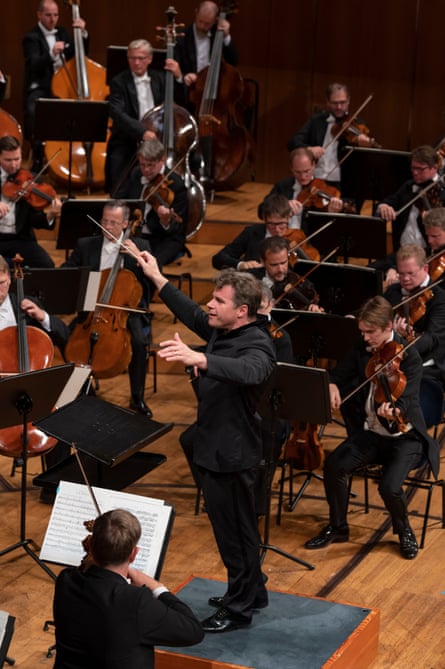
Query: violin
x=390, y=382
x=413, y=308
x=430, y=199
x=294, y=293
x=22, y=186
x=436, y=266
x=351, y=134
x=317, y=194
x=297, y=240
x=158, y=194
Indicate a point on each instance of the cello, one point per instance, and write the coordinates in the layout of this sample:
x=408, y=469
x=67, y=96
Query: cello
x=83, y=79
x=102, y=341
x=25, y=348
x=226, y=145
x=8, y=124
x=176, y=128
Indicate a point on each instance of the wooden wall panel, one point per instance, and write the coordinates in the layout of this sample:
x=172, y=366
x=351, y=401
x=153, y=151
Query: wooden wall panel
x=391, y=48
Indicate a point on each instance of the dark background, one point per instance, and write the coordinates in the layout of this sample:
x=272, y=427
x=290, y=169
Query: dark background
x=392, y=49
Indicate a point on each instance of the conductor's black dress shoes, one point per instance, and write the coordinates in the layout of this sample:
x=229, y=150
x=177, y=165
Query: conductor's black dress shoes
x=223, y=621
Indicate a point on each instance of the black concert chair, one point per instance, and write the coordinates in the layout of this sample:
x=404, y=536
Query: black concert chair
x=432, y=403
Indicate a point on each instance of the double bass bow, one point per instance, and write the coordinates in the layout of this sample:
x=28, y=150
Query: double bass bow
x=81, y=164
x=225, y=143
x=176, y=128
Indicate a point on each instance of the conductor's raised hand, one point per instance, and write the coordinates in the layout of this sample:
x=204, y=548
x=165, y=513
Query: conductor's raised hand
x=174, y=350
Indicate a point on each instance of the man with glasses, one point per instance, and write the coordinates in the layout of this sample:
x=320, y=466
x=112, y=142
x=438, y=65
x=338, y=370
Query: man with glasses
x=424, y=315
x=318, y=134
x=407, y=227
x=133, y=93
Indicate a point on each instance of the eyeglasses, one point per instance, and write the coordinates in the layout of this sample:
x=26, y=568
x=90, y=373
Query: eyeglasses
x=276, y=224
x=419, y=168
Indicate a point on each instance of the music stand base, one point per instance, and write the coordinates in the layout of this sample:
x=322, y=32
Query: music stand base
x=24, y=543
x=269, y=547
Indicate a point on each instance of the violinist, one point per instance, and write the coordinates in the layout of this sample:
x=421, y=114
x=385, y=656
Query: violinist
x=45, y=48
x=434, y=223
x=193, y=49
x=318, y=134
x=380, y=439
x=99, y=253
x=423, y=315
x=287, y=290
x=133, y=93
x=166, y=205
x=407, y=226
x=303, y=191
x=18, y=218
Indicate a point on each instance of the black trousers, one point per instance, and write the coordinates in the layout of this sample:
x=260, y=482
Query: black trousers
x=230, y=505
x=397, y=455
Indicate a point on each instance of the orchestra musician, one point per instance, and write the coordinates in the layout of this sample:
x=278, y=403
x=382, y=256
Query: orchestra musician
x=243, y=252
x=238, y=358
x=398, y=445
x=298, y=189
x=424, y=315
x=194, y=47
x=18, y=218
x=407, y=227
x=45, y=48
x=166, y=204
x=99, y=253
x=112, y=614
x=133, y=93
x=318, y=134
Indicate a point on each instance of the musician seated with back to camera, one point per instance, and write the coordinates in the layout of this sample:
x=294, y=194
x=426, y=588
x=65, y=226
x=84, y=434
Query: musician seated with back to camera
x=133, y=93
x=45, y=48
x=319, y=134
x=243, y=252
x=303, y=191
x=423, y=315
x=101, y=253
x=166, y=205
x=107, y=612
x=392, y=434
x=407, y=226
x=17, y=217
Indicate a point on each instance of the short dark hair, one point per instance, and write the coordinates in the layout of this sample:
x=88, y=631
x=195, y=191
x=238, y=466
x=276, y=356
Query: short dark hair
x=115, y=535
x=272, y=244
x=9, y=143
x=376, y=311
x=276, y=205
x=435, y=218
x=425, y=154
x=246, y=289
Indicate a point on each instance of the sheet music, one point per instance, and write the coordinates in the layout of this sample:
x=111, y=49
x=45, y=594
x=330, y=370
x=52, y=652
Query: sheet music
x=92, y=291
x=73, y=505
x=74, y=385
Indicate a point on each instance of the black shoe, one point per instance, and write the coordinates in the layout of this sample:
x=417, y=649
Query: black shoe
x=328, y=535
x=141, y=407
x=223, y=621
x=408, y=544
x=218, y=602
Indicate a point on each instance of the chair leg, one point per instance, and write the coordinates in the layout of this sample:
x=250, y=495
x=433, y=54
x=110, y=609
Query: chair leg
x=152, y=356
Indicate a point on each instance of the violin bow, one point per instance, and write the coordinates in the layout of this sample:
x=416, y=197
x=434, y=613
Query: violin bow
x=338, y=164
x=420, y=194
x=350, y=120
x=417, y=294
x=300, y=279
x=311, y=236
x=163, y=179
x=29, y=185
x=379, y=371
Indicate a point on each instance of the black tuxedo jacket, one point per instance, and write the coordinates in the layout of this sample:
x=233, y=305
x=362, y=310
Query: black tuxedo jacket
x=244, y=247
x=185, y=51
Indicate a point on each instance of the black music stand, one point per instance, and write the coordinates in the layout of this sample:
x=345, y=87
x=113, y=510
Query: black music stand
x=60, y=290
x=371, y=174
x=355, y=235
x=75, y=221
x=24, y=398
x=281, y=399
x=117, y=60
x=71, y=121
x=342, y=288
x=109, y=439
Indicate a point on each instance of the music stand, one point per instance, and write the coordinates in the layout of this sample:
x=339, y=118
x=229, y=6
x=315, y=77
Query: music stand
x=24, y=398
x=60, y=290
x=355, y=235
x=75, y=223
x=342, y=288
x=370, y=174
x=281, y=399
x=71, y=121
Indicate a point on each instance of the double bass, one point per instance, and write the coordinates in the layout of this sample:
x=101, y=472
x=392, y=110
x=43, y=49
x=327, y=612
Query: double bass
x=176, y=128
x=81, y=79
x=24, y=348
x=9, y=125
x=225, y=143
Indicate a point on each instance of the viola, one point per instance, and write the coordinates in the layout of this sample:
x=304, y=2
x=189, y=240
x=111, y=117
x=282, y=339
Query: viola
x=24, y=348
x=22, y=186
x=303, y=448
x=176, y=128
x=351, y=134
x=390, y=382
